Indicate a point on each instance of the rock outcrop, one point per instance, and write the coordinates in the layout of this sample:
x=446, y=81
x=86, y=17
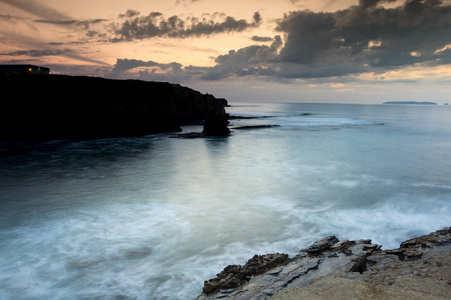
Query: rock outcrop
x=234, y=275
x=58, y=107
x=332, y=269
x=216, y=125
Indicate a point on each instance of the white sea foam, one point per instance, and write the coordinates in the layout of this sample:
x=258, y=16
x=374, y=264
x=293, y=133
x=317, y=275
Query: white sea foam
x=432, y=185
x=153, y=217
x=346, y=183
x=325, y=123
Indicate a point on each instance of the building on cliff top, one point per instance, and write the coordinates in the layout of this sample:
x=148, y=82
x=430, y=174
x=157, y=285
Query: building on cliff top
x=23, y=70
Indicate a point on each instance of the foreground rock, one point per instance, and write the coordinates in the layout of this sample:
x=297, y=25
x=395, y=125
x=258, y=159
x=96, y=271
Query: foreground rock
x=58, y=107
x=234, y=275
x=332, y=269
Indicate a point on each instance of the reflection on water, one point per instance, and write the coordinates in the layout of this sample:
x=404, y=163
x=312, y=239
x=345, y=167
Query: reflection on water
x=153, y=217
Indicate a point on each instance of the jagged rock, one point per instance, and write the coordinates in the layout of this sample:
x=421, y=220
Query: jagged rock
x=234, y=275
x=322, y=245
x=360, y=266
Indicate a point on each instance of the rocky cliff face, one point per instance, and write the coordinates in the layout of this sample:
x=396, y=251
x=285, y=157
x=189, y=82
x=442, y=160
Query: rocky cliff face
x=57, y=106
x=333, y=269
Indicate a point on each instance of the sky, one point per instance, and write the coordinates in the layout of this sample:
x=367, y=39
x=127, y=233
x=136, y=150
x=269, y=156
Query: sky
x=334, y=51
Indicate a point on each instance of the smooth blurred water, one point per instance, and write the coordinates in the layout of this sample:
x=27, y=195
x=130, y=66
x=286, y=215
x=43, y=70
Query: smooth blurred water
x=153, y=217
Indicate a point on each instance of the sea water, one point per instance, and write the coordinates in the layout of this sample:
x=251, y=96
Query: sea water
x=153, y=217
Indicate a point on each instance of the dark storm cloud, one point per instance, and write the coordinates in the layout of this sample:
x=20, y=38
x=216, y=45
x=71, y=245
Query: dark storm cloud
x=249, y=61
x=156, y=25
x=123, y=65
x=366, y=36
x=373, y=3
x=362, y=38
x=262, y=38
x=173, y=72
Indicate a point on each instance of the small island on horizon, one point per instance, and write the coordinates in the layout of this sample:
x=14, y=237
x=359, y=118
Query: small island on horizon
x=411, y=102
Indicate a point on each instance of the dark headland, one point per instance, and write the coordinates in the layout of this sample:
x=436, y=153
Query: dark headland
x=45, y=107
x=331, y=269
x=411, y=102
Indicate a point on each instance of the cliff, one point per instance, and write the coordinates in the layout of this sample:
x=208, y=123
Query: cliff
x=331, y=269
x=59, y=107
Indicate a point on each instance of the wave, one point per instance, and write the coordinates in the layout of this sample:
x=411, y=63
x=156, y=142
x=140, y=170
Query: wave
x=314, y=122
x=298, y=121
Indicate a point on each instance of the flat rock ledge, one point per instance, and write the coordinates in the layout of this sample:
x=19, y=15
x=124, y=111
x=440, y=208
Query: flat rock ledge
x=331, y=269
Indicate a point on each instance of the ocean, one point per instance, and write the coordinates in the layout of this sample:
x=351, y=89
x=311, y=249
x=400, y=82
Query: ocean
x=153, y=217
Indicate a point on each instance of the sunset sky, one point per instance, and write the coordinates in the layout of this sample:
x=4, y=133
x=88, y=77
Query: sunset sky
x=347, y=51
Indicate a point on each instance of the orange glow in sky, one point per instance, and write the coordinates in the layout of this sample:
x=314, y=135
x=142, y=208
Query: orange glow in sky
x=299, y=50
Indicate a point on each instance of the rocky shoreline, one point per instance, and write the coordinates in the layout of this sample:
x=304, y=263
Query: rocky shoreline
x=331, y=269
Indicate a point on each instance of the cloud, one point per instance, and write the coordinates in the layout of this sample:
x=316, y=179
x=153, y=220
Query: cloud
x=154, y=71
x=156, y=25
x=49, y=15
x=249, y=61
x=372, y=3
x=53, y=52
x=37, y=9
x=29, y=39
x=368, y=38
x=37, y=53
x=364, y=37
x=84, y=23
x=262, y=38
x=185, y=1
x=9, y=18
x=123, y=65
x=130, y=13
x=80, y=70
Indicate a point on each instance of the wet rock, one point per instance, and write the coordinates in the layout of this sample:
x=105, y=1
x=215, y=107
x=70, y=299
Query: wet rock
x=418, y=260
x=234, y=275
x=322, y=245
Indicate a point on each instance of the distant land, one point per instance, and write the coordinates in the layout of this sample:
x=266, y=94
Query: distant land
x=411, y=102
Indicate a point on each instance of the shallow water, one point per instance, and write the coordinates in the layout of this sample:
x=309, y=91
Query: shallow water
x=153, y=217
